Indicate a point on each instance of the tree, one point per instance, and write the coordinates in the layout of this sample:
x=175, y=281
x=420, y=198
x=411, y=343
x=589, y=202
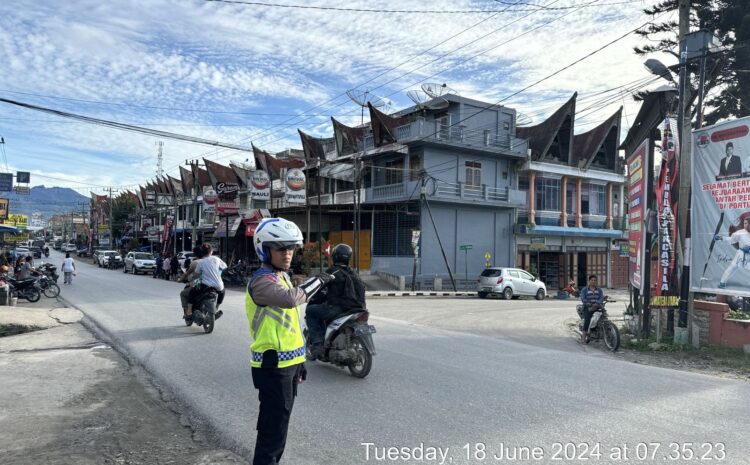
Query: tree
x=121, y=210
x=729, y=20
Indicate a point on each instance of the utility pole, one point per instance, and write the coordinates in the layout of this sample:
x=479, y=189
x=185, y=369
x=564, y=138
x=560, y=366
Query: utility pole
x=111, y=224
x=159, y=158
x=193, y=169
x=683, y=210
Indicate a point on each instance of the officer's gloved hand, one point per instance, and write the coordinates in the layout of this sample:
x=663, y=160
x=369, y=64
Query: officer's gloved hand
x=316, y=283
x=717, y=237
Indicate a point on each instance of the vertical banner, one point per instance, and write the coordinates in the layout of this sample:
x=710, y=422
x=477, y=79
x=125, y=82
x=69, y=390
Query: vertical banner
x=295, y=186
x=637, y=166
x=667, y=292
x=720, y=219
x=261, y=185
x=4, y=209
x=166, y=234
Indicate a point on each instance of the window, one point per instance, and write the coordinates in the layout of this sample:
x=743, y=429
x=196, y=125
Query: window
x=570, y=195
x=473, y=174
x=486, y=137
x=415, y=167
x=506, y=125
x=394, y=171
x=593, y=199
x=526, y=275
x=548, y=194
x=491, y=273
x=513, y=273
x=443, y=126
x=523, y=183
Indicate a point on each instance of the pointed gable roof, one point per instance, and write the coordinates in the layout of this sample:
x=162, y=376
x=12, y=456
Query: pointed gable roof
x=384, y=126
x=186, y=177
x=314, y=147
x=587, y=144
x=542, y=135
x=348, y=139
x=220, y=173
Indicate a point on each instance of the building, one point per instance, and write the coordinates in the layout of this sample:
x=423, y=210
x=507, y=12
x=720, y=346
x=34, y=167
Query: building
x=573, y=223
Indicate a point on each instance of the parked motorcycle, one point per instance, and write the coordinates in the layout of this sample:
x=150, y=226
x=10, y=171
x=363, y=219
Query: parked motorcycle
x=204, y=311
x=235, y=275
x=47, y=286
x=600, y=327
x=348, y=342
x=25, y=288
x=49, y=270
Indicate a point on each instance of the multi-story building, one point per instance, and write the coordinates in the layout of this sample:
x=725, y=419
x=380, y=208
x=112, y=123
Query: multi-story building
x=573, y=222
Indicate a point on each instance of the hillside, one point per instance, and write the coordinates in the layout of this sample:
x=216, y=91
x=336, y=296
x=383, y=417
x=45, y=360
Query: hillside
x=46, y=200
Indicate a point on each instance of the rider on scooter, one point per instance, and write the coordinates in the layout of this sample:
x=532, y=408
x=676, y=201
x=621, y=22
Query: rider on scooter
x=344, y=293
x=593, y=300
x=209, y=269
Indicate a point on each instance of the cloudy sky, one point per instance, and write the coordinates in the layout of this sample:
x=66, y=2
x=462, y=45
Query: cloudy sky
x=239, y=72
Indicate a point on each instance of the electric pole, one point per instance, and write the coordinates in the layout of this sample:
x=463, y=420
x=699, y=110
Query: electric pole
x=159, y=158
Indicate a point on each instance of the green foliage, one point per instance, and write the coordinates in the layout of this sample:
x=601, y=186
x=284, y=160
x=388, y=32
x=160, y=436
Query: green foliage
x=133, y=244
x=729, y=20
x=738, y=315
x=121, y=210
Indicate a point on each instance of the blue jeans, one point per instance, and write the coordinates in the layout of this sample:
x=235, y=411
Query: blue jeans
x=315, y=316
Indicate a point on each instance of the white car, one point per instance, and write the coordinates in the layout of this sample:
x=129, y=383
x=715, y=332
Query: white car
x=139, y=262
x=106, y=255
x=69, y=248
x=183, y=255
x=509, y=283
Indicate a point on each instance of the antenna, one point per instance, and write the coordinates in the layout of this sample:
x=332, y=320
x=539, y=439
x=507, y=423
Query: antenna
x=363, y=97
x=437, y=90
x=423, y=100
x=159, y=158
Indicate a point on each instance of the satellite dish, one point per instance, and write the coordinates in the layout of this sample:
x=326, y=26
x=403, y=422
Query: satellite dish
x=363, y=97
x=437, y=90
x=523, y=119
x=423, y=100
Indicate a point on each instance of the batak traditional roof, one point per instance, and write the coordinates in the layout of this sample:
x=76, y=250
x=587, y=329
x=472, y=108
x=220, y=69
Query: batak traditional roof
x=220, y=173
x=204, y=180
x=384, y=126
x=586, y=145
x=314, y=147
x=243, y=174
x=348, y=139
x=186, y=177
x=542, y=135
x=273, y=165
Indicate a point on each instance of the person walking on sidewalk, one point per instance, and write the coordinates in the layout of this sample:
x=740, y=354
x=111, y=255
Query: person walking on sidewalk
x=68, y=268
x=278, y=348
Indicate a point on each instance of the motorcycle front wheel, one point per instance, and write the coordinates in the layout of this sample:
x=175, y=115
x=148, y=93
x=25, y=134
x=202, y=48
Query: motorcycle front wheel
x=362, y=366
x=51, y=291
x=611, y=336
x=32, y=295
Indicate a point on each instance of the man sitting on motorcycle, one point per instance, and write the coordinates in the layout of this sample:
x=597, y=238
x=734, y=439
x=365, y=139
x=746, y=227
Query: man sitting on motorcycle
x=278, y=347
x=345, y=293
x=592, y=298
x=209, y=269
x=188, y=277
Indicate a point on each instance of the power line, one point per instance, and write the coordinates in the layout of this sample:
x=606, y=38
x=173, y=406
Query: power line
x=376, y=10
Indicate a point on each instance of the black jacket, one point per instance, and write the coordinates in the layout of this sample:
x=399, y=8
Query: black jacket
x=345, y=292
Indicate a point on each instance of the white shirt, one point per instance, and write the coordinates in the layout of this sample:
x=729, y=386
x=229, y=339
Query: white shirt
x=210, y=269
x=68, y=265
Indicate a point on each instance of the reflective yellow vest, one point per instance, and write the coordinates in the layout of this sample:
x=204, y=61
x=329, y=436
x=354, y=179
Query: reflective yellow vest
x=274, y=328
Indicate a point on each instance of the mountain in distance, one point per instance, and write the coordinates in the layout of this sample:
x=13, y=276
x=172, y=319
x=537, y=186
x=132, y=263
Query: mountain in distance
x=48, y=201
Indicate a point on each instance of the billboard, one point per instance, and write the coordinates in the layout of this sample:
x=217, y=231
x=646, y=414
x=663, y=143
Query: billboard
x=6, y=182
x=3, y=209
x=261, y=185
x=667, y=290
x=720, y=219
x=295, y=186
x=637, y=195
x=19, y=221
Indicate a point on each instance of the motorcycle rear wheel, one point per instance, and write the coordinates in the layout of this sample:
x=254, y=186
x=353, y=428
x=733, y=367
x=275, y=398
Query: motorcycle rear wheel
x=51, y=291
x=363, y=365
x=208, y=323
x=611, y=336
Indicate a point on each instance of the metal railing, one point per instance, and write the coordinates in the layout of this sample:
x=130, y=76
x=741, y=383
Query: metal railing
x=436, y=130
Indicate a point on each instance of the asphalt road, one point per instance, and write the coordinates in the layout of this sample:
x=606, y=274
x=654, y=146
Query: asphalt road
x=479, y=375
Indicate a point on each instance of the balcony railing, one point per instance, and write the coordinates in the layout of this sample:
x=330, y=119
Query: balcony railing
x=448, y=191
x=552, y=218
x=435, y=130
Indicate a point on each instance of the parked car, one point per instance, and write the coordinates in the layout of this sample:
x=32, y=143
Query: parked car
x=83, y=252
x=69, y=248
x=58, y=244
x=139, y=262
x=95, y=254
x=106, y=255
x=183, y=255
x=509, y=283
x=36, y=252
x=22, y=251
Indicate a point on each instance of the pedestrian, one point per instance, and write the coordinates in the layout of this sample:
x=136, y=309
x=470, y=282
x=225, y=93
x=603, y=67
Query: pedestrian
x=159, y=264
x=278, y=348
x=68, y=268
x=166, y=267
x=174, y=265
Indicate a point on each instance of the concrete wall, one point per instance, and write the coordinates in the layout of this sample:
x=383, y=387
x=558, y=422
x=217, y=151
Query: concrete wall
x=450, y=166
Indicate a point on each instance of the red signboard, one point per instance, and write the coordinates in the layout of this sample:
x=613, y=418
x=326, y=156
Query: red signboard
x=637, y=170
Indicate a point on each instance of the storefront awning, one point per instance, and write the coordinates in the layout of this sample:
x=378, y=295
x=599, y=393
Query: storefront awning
x=569, y=231
x=8, y=229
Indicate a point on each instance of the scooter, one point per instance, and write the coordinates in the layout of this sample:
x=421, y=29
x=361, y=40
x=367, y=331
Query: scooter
x=348, y=342
x=204, y=311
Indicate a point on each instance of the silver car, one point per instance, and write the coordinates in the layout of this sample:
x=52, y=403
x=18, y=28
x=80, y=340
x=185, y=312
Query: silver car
x=139, y=262
x=509, y=283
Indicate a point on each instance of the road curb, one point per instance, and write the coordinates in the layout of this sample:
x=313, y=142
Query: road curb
x=419, y=294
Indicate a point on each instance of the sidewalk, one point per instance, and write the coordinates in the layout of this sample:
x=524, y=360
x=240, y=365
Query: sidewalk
x=67, y=398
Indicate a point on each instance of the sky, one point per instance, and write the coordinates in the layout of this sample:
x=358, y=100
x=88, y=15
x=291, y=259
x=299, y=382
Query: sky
x=245, y=72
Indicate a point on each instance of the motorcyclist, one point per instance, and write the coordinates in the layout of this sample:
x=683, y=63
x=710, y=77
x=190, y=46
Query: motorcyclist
x=188, y=277
x=278, y=347
x=345, y=293
x=209, y=269
x=592, y=298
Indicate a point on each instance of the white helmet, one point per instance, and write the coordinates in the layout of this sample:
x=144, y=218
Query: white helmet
x=275, y=233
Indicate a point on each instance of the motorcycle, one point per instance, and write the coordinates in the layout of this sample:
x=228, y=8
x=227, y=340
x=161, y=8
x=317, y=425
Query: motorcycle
x=204, y=311
x=25, y=288
x=49, y=270
x=348, y=342
x=48, y=288
x=235, y=275
x=600, y=327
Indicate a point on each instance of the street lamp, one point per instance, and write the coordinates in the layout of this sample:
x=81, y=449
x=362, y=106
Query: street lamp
x=660, y=69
